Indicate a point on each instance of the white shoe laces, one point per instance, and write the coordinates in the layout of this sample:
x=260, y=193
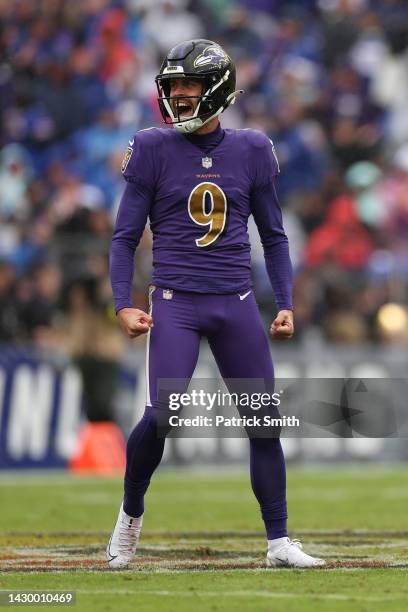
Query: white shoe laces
x=296, y=543
x=128, y=538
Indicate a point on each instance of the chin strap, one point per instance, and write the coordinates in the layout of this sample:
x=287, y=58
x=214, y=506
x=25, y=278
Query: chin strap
x=187, y=127
x=233, y=96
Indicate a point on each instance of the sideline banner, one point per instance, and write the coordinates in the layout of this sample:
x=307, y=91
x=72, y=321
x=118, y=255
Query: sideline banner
x=40, y=409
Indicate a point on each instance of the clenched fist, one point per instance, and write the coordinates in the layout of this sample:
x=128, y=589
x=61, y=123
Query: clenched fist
x=282, y=327
x=134, y=321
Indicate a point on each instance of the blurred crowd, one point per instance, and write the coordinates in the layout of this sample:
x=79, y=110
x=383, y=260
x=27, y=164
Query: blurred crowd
x=327, y=80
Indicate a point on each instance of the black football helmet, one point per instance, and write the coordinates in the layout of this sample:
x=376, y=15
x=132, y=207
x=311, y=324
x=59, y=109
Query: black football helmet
x=198, y=59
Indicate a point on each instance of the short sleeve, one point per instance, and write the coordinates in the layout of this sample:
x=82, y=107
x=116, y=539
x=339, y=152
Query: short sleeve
x=138, y=161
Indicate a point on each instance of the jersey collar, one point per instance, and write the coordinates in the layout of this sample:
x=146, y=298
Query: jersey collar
x=206, y=141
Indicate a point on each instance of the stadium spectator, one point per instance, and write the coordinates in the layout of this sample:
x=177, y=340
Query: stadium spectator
x=326, y=80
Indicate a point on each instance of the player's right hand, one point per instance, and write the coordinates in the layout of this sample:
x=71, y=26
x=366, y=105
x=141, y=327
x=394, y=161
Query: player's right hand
x=134, y=321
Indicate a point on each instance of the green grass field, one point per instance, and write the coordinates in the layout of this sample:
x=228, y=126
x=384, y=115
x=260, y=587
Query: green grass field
x=202, y=545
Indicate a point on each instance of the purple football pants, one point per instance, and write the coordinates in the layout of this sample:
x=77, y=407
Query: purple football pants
x=238, y=341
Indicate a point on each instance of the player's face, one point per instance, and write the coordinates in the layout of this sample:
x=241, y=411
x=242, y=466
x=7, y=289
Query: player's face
x=184, y=106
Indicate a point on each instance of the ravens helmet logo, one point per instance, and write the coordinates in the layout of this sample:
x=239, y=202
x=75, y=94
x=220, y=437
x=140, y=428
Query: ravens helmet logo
x=212, y=55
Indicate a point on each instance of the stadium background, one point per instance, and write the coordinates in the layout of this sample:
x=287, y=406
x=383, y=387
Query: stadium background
x=326, y=80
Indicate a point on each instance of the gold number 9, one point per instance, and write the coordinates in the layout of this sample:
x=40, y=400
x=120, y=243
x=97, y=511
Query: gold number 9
x=215, y=218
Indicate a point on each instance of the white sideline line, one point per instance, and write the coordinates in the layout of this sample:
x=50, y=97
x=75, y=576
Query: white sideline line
x=189, y=571
x=264, y=594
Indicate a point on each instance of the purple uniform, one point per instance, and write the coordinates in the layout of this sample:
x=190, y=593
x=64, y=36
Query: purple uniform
x=198, y=192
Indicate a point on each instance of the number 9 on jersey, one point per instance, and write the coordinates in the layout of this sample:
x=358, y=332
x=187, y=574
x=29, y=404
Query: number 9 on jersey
x=215, y=218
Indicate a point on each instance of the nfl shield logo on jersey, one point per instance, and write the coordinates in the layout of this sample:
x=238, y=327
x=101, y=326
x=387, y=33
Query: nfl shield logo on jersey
x=167, y=294
x=207, y=162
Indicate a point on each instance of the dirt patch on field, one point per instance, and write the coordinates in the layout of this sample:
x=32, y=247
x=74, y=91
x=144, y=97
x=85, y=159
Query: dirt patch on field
x=9, y=563
x=70, y=552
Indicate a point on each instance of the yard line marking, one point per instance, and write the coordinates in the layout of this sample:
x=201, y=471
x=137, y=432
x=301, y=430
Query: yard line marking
x=160, y=570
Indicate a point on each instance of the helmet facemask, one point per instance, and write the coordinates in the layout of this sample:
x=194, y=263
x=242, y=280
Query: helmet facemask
x=210, y=103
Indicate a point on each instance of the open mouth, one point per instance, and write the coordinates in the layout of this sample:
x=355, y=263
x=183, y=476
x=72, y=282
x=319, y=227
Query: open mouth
x=183, y=108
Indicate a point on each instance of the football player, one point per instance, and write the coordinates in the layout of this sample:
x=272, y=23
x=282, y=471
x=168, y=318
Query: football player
x=197, y=184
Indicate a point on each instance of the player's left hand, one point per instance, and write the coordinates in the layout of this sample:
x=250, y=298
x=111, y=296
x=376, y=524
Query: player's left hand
x=282, y=327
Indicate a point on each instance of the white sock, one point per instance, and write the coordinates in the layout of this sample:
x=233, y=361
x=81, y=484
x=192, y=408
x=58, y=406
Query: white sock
x=277, y=543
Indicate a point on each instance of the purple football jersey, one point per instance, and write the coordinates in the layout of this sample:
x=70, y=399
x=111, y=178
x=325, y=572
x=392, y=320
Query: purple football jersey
x=197, y=192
